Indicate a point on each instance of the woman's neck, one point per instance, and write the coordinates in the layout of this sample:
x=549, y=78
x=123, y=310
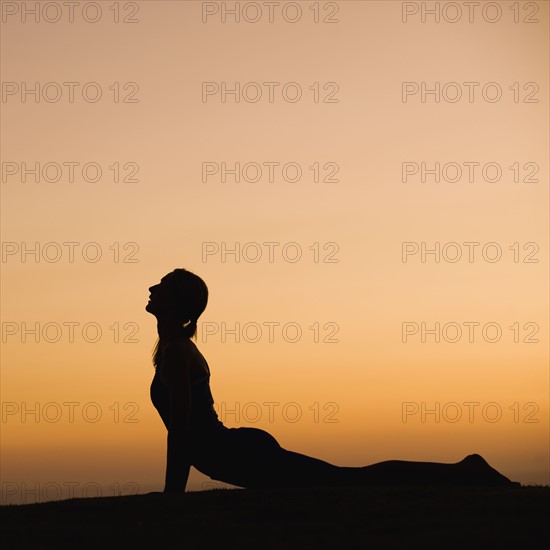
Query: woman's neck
x=169, y=329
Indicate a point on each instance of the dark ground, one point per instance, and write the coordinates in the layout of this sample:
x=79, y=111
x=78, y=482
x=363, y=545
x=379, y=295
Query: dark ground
x=292, y=518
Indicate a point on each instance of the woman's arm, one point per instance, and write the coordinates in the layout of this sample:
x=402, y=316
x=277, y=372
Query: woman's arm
x=176, y=371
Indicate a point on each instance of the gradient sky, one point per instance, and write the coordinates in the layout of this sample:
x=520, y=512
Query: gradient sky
x=352, y=393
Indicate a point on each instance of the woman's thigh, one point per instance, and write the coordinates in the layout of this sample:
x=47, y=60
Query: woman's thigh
x=240, y=456
x=250, y=457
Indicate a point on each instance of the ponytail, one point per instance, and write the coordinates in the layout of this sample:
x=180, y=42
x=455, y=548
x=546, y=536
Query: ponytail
x=190, y=329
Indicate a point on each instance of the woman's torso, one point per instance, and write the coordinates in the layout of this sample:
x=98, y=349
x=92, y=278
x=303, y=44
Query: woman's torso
x=204, y=419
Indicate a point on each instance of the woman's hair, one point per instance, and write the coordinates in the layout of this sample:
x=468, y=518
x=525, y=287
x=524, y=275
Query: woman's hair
x=190, y=297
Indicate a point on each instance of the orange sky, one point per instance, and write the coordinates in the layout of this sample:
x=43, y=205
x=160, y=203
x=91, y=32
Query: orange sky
x=337, y=261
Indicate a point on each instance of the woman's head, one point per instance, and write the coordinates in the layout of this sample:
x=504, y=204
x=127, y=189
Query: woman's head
x=180, y=297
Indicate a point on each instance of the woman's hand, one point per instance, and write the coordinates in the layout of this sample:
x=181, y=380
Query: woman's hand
x=174, y=491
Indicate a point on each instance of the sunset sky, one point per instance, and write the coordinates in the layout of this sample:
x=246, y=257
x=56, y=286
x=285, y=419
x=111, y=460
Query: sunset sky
x=411, y=135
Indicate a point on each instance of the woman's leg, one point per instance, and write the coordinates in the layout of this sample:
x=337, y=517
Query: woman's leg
x=249, y=457
x=297, y=470
x=471, y=471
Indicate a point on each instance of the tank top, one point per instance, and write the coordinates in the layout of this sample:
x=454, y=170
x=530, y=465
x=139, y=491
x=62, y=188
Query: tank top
x=204, y=419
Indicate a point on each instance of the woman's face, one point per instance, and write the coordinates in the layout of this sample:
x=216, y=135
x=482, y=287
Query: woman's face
x=161, y=298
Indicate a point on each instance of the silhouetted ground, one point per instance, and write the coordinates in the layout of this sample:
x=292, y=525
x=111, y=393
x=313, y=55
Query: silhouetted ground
x=306, y=519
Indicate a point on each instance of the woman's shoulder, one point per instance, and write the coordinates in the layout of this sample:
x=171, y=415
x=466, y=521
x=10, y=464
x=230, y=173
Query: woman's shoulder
x=180, y=349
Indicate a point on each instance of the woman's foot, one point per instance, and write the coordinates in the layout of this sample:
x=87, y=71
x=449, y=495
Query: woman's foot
x=475, y=470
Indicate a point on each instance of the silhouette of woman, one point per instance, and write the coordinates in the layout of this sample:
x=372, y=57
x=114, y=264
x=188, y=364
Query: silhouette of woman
x=250, y=457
